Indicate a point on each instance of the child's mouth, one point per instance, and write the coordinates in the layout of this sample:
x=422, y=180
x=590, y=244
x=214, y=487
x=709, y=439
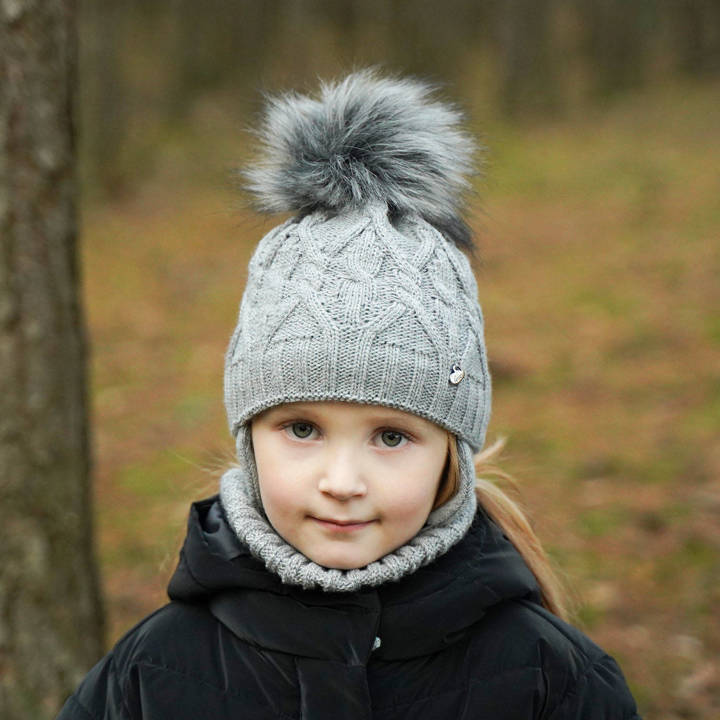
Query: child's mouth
x=342, y=525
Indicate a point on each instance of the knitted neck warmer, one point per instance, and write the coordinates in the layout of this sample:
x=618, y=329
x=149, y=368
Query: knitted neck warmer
x=446, y=525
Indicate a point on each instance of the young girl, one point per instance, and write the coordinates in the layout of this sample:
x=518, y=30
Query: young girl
x=352, y=566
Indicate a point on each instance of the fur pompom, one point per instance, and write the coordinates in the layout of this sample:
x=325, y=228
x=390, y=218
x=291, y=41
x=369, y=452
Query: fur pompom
x=363, y=139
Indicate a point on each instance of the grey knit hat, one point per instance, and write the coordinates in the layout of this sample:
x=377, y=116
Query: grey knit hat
x=364, y=295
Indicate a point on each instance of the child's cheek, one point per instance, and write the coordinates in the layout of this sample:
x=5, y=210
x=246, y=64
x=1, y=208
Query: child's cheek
x=409, y=500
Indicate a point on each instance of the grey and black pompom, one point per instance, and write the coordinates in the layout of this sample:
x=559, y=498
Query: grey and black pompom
x=362, y=139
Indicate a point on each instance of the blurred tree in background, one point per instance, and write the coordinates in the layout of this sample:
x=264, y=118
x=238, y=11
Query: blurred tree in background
x=146, y=64
x=51, y=621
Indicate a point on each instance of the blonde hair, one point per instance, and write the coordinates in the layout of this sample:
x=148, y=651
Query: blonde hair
x=509, y=516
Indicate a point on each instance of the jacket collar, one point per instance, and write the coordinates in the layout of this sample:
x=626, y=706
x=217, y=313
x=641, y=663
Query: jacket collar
x=417, y=615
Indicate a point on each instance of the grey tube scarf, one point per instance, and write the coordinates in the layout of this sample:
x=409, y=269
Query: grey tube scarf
x=445, y=526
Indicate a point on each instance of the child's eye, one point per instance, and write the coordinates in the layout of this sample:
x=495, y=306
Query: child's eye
x=392, y=438
x=301, y=430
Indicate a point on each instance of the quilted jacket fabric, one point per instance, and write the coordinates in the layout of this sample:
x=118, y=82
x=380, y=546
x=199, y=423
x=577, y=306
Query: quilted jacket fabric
x=463, y=637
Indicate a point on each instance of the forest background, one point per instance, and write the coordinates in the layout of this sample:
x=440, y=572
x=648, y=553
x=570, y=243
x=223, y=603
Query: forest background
x=597, y=225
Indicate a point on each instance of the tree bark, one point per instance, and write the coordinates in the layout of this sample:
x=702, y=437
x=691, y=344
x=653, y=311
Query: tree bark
x=51, y=623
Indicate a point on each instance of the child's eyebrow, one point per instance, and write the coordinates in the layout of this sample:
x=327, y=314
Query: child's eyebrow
x=292, y=408
x=390, y=417
x=291, y=411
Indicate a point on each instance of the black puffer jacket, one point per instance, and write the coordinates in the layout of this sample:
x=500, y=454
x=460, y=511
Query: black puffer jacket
x=463, y=637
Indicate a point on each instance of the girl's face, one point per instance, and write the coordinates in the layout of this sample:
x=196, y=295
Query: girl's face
x=346, y=483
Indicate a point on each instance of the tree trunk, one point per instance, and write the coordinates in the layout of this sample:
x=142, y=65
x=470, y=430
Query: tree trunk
x=528, y=77
x=50, y=611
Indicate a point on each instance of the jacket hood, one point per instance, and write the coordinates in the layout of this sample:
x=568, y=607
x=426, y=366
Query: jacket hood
x=419, y=614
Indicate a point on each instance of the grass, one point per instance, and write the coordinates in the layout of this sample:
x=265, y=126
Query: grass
x=600, y=259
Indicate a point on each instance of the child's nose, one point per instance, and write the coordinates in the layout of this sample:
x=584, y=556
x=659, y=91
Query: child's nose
x=342, y=476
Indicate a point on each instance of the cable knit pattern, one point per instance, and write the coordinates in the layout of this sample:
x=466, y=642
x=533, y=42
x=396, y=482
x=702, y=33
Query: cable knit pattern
x=358, y=308
x=444, y=527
